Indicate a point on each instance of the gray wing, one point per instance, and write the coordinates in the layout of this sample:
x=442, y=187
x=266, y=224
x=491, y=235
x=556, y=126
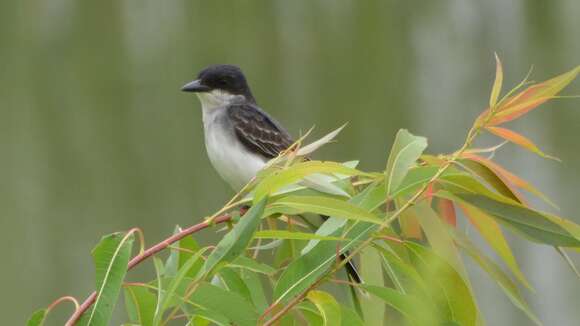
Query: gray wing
x=258, y=131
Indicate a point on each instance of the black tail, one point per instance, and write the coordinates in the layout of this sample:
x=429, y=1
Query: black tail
x=350, y=267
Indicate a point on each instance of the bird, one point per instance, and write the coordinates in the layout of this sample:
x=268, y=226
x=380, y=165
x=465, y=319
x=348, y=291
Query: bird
x=240, y=137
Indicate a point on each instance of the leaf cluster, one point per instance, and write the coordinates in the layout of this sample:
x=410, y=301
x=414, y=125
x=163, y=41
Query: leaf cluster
x=280, y=263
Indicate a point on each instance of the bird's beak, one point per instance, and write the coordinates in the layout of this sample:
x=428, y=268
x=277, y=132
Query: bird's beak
x=195, y=87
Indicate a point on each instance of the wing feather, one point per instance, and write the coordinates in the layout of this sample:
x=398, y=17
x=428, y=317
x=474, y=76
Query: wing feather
x=258, y=131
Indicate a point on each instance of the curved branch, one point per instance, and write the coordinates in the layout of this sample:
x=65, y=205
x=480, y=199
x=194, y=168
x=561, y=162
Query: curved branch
x=146, y=254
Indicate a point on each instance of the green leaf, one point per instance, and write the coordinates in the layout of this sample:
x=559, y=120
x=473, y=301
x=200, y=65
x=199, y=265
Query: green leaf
x=404, y=276
x=229, y=304
x=252, y=265
x=372, y=273
x=405, y=304
x=493, y=235
x=494, y=180
x=140, y=304
x=110, y=256
x=504, y=282
x=406, y=150
x=439, y=238
x=235, y=242
x=324, y=206
x=532, y=224
x=308, y=149
x=318, y=255
x=284, y=234
x=297, y=172
x=159, y=271
x=234, y=283
x=203, y=317
x=445, y=286
x=327, y=305
x=175, y=283
x=37, y=318
x=349, y=317
x=252, y=281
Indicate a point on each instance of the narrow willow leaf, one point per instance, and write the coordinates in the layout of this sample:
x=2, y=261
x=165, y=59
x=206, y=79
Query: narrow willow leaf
x=349, y=317
x=446, y=210
x=445, y=285
x=327, y=305
x=497, y=181
x=175, y=283
x=110, y=256
x=493, y=235
x=408, y=222
x=439, y=238
x=297, y=172
x=244, y=262
x=309, y=312
x=235, y=242
x=495, y=272
x=203, y=317
x=372, y=273
x=312, y=147
x=140, y=304
x=318, y=255
x=518, y=139
x=324, y=206
x=496, y=89
x=532, y=224
x=532, y=97
x=229, y=304
x=37, y=318
x=406, y=150
x=283, y=234
x=407, y=305
x=234, y=283
x=252, y=281
x=159, y=273
x=300, y=188
x=320, y=183
x=512, y=178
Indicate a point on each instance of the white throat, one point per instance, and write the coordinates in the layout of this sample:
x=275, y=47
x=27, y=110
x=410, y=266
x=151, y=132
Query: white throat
x=216, y=98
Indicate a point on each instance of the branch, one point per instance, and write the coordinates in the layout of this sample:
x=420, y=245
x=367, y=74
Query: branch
x=148, y=253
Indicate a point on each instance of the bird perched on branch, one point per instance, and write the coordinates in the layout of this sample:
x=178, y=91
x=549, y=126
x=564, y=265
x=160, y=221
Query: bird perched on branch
x=240, y=138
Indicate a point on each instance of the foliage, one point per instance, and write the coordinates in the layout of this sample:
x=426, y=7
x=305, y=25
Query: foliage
x=276, y=265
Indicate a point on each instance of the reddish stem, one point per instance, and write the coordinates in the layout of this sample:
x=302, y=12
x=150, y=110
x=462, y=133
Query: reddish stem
x=146, y=254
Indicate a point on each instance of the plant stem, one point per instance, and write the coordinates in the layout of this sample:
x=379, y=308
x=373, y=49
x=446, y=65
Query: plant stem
x=147, y=254
x=471, y=135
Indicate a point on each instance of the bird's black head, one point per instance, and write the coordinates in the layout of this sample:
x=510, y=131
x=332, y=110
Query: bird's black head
x=224, y=78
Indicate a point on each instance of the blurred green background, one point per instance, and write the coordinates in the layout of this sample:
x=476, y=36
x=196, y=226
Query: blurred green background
x=96, y=137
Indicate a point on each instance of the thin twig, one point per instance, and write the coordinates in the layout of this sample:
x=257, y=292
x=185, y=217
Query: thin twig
x=148, y=253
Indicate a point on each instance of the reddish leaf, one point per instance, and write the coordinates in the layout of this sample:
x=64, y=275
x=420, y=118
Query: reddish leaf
x=510, y=177
x=410, y=227
x=517, y=139
x=529, y=99
x=494, y=179
x=446, y=210
x=516, y=111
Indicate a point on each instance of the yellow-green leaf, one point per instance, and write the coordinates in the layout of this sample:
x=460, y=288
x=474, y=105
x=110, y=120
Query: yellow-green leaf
x=406, y=150
x=324, y=206
x=496, y=89
x=327, y=305
x=492, y=233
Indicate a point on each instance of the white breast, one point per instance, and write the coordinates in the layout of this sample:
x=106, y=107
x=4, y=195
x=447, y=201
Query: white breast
x=233, y=162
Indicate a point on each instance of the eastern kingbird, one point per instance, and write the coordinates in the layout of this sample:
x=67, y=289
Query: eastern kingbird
x=240, y=138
